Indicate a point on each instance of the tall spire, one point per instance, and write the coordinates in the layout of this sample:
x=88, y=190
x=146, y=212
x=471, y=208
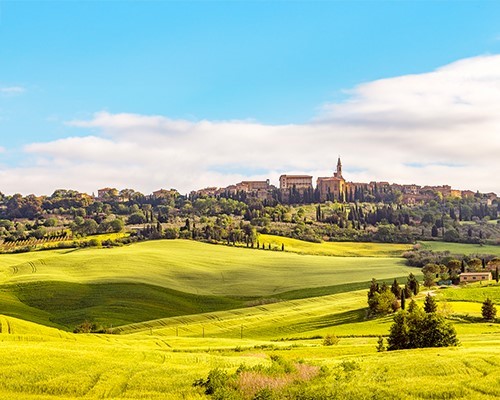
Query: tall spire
x=338, y=174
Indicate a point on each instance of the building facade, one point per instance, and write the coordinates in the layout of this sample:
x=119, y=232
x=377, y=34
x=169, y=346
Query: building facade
x=295, y=181
x=470, y=277
x=333, y=187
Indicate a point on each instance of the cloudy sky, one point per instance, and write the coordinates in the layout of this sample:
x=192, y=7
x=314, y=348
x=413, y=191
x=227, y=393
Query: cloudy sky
x=161, y=94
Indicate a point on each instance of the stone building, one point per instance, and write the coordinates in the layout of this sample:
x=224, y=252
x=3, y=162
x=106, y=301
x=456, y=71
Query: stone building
x=295, y=181
x=469, y=277
x=334, y=187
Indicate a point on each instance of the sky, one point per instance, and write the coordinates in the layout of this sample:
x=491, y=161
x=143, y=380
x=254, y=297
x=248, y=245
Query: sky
x=189, y=94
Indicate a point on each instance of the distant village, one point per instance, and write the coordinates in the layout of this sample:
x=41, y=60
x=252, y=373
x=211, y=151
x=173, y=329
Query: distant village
x=336, y=188
x=300, y=189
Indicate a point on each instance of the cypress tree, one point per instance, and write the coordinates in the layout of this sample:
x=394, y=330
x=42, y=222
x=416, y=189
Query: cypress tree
x=430, y=305
x=488, y=310
x=403, y=300
x=396, y=289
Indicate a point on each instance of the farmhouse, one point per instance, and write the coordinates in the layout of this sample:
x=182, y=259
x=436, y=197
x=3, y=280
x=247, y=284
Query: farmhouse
x=467, y=277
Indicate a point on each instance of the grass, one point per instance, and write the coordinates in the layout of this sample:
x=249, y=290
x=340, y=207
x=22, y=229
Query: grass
x=198, y=268
x=43, y=363
x=65, y=305
x=183, y=306
x=337, y=249
x=157, y=279
x=461, y=248
x=472, y=293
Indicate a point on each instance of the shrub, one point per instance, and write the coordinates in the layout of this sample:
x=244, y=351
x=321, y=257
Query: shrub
x=380, y=344
x=330, y=340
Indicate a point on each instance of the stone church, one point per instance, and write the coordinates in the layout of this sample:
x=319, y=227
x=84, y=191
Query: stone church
x=334, y=187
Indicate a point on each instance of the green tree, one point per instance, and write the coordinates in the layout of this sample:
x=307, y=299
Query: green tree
x=396, y=289
x=430, y=304
x=488, y=310
x=416, y=329
x=137, y=218
x=398, y=334
x=413, y=284
x=386, y=303
x=429, y=279
x=434, y=231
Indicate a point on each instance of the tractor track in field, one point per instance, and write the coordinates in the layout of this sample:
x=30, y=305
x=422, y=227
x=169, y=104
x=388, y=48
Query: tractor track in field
x=33, y=267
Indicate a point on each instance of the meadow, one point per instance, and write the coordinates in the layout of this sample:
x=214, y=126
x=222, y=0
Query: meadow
x=154, y=279
x=180, y=309
x=461, y=248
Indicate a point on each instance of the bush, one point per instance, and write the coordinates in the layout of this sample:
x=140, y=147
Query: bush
x=330, y=340
x=380, y=344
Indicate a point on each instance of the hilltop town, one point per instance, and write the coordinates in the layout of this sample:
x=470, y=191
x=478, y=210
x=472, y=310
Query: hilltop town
x=296, y=189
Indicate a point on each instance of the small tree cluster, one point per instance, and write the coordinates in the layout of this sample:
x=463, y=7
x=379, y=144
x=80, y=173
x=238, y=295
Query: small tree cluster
x=381, y=300
x=417, y=329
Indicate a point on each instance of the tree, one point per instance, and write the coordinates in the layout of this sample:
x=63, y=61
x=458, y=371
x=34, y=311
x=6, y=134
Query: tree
x=398, y=333
x=396, y=289
x=414, y=329
x=386, y=303
x=116, y=225
x=430, y=304
x=403, y=299
x=429, y=280
x=413, y=284
x=380, y=344
x=434, y=231
x=137, y=218
x=488, y=310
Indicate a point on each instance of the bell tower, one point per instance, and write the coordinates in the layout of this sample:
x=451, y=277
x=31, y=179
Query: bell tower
x=338, y=174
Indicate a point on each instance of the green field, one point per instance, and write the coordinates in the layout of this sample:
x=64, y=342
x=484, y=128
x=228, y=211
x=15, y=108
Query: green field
x=155, y=279
x=461, y=248
x=179, y=309
x=338, y=249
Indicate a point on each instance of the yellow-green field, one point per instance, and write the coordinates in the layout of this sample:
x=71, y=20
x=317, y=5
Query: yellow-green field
x=461, y=248
x=180, y=309
x=337, y=249
x=151, y=280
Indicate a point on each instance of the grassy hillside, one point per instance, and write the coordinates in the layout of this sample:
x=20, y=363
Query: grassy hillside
x=154, y=363
x=173, y=337
x=159, y=279
x=338, y=249
x=195, y=267
x=461, y=248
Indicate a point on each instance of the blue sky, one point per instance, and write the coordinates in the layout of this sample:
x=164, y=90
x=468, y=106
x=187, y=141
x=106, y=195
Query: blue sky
x=271, y=63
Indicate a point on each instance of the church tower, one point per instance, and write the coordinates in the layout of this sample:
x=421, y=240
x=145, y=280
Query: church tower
x=338, y=174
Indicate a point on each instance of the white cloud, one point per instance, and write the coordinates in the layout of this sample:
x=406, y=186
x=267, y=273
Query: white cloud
x=12, y=90
x=432, y=128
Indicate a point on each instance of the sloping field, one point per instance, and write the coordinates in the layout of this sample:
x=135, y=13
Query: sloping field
x=197, y=268
x=43, y=363
x=461, y=248
x=337, y=249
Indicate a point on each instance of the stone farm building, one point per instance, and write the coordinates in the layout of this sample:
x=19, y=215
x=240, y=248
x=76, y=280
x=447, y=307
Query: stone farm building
x=470, y=277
